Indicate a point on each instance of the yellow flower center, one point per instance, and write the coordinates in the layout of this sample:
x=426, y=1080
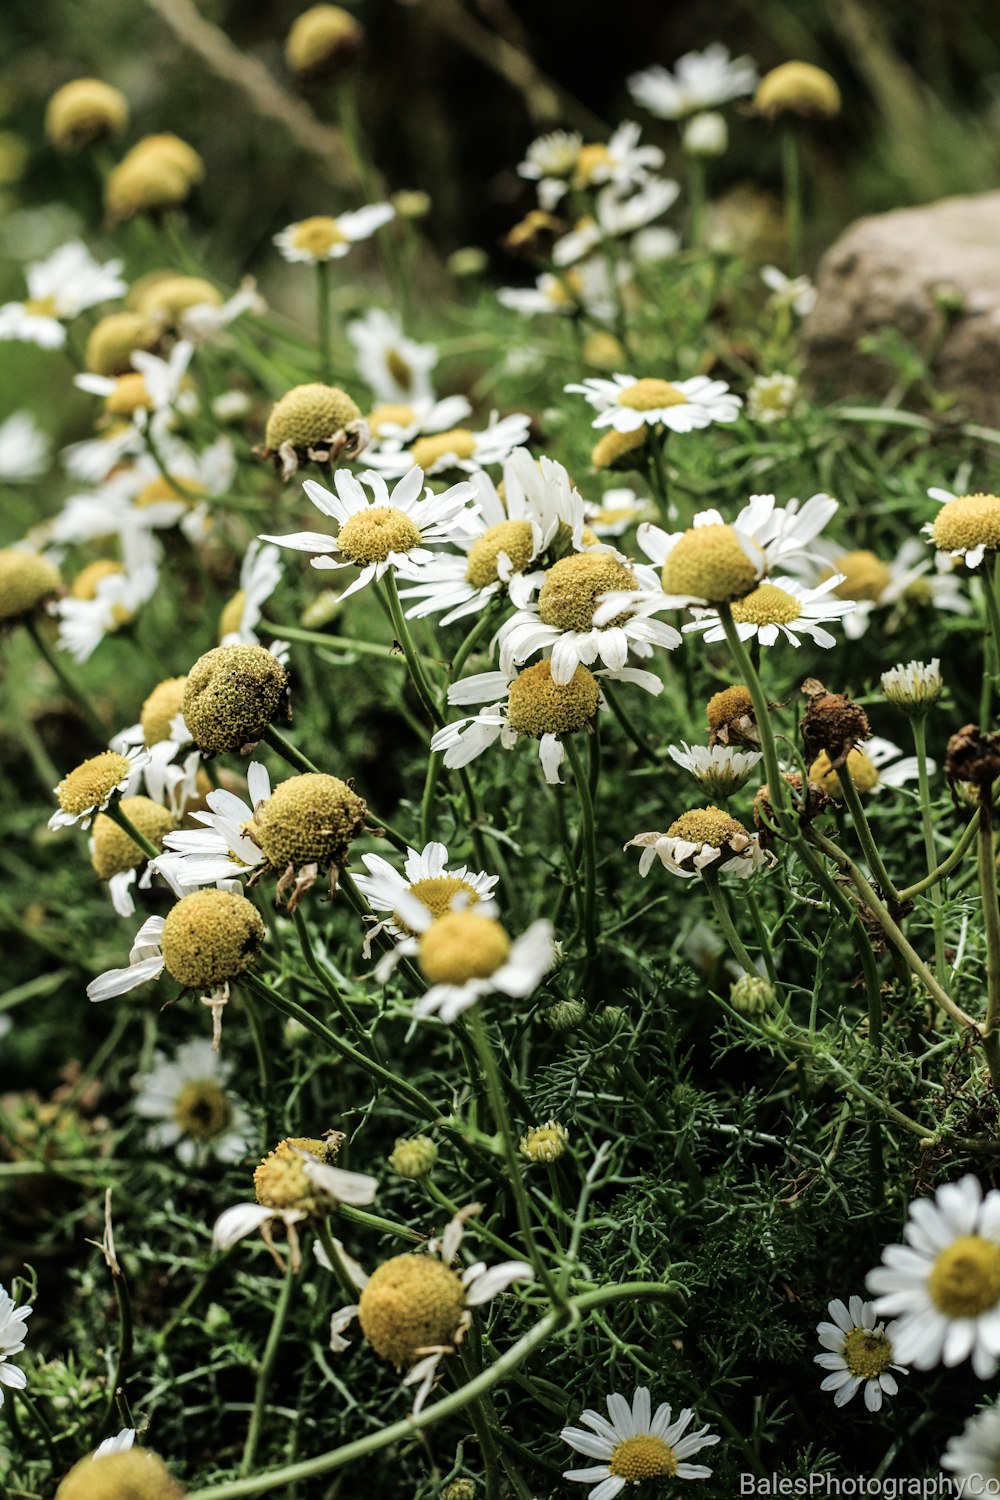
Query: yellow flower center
x=591, y=159
x=232, y=614
x=461, y=946
x=536, y=705
x=92, y=782
x=728, y=707
x=280, y=1180
x=437, y=892
x=231, y=694
x=642, y=1457
x=309, y=819
x=865, y=575
x=210, y=936
x=201, y=1109
x=766, y=605
x=650, y=395
x=128, y=396
x=709, y=562
x=707, y=825
x=25, y=580
x=515, y=538
x=40, y=307
x=317, y=236
x=85, y=583
x=135, y=1475
x=965, y=1278
x=160, y=709
x=614, y=447
x=160, y=490
x=969, y=521
x=860, y=767
x=799, y=88
x=309, y=414
x=568, y=597
x=545, y=1143
x=427, y=451
x=867, y=1354
x=410, y=1303
x=389, y=416
x=370, y=535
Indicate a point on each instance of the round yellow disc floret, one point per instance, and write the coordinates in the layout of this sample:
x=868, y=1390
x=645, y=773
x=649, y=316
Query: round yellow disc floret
x=642, y=1457
x=766, y=605
x=461, y=946
x=166, y=297
x=707, y=825
x=83, y=111
x=112, y=851
x=309, y=820
x=26, y=581
x=389, y=415
x=309, y=414
x=370, y=535
x=860, y=767
x=135, y=1475
x=144, y=182
x=84, y=585
x=438, y=892
x=536, y=705
x=710, y=562
x=322, y=41
x=115, y=339
x=129, y=396
x=865, y=575
x=92, y=783
x=514, y=538
x=231, y=615
x=211, y=936
x=411, y=1302
x=966, y=522
x=317, y=236
x=650, y=395
x=161, y=708
x=602, y=350
x=797, y=88
x=162, y=490
x=728, y=706
x=569, y=596
x=168, y=147
x=202, y=1110
x=231, y=695
x=459, y=443
x=867, y=1353
x=616, y=449
x=965, y=1278
x=592, y=161
x=281, y=1182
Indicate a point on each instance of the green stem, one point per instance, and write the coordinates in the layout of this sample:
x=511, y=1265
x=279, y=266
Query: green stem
x=611, y=699
x=334, y=642
x=991, y=915
x=288, y=751
x=947, y=865
x=482, y=627
x=791, y=165
x=326, y=980
x=588, y=905
x=658, y=474
x=265, y=1372
x=865, y=837
x=114, y=812
x=124, y=1342
x=991, y=667
x=777, y=786
x=67, y=682
x=724, y=918
x=413, y=662
x=323, y=318
x=918, y=725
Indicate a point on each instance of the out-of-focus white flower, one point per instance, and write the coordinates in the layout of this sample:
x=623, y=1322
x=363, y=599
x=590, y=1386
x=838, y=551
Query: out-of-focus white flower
x=59, y=288
x=796, y=292
x=324, y=237
x=706, y=135
x=24, y=449
x=700, y=80
x=396, y=369
x=616, y=216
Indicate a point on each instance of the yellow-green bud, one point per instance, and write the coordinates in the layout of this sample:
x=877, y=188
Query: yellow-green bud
x=752, y=995
x=26, y=581
x=84, y=111
x=413, y=1157
x=544, y=1143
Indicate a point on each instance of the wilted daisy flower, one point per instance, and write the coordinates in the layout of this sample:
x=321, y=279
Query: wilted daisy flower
x=794, y=292
x=975, y=1452
x=914, y=687
x=858, y=1352
x=616, y=216
x=636, y=1444
x=772, y=398
x=186, y=1098
x=91, y=786
x=24, y=449
x=101, y=605
x=12, y=1336
x=700, y=80
x=720, y=769
x=705, y=838
x=385, y=531
x=427, y=878
x=778, y=607
x=324, y=237
x=260, y=574
x=394, y=367
x=59, y=288
x=966, y=527
x=457, y=448
x=943, y=1286
x=416, y=1308
x=878, y=765
x=627, y=403
x=529, y=703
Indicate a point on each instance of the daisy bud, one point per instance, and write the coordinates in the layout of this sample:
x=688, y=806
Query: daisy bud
x=544, y=1143
x=914, y=688
x=721, y=770
x=706, y=135
x=410, y=1303
x=112, y=852
x=281, y=1180
x=565, y=1015
x=231, y=695
x=85, y=111
x=973, y=757
x=115, y=338
x=414, y=1157
x=771, y=398
x=158, y=173
x=133, y=1475
x=459, y=1489
x=731, y=717
x=323, y=42
x=752, y=995
x=611, y=1020
x=26, y=582
x=467, y=262
x=210, y=937
x=411, y=203
x=160, y=709
x=313, y=421
x=833, y=723
x=797, y=88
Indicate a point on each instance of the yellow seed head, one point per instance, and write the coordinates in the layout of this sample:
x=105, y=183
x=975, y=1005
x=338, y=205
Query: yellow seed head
x=411, y=203
x=966, y=522
x=112, y=851
x=135, y=1475
x=766, y=605
x=281, y=1182
x=797, y=88
x=92, y=782
x=84, y=585
x=169, y=147
x=544, y=1143
x=414, y=1157
x=84, y=111
x=26, y=581
x=231, y=695
x=211, y=936
x=411, y=1302
x=323, y=42
x=568, y=597
x=115, y=339
x=860, y=767
x=730, y=715
x=369, y=536
x=389, y=415
x=309, y=414
x=707, y=825
x=515, y=538
x=709, y=562
x=536, y=705
x=308, y=820
x=162, y=706
x=145, y=182
x=650, y=395
x=461, y=946
x=427, y=451
x=865, y=575
x=618, y=450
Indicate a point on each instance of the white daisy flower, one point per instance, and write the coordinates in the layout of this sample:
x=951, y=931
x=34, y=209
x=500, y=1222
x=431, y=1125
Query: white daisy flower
x=873, y=766
x=116, y=600
x=858, y=1352
x=975, y=1452
x=627, y=403
x=394, y=367
x=399, y=424
x=653, y=244
x=720, y=769
x=914, y=685
x=457, y=448
x=120, y=1443
x=24, y=449
x=139, y=495
x=427, y=878
x=260, y=574
x=60, y=287
x=943, y=1285
x=479, y=1284
x=170, y=784
x=616, y=511
x=705, y=134
x=794, y=292
x=910, y=578
x=705, y=838
x=622, y=161
x=700, y=80
x=585, y=287
x=636, y=1444
x=204, y=321
x=186, y=1099
x=615, y=216
x=772, y=398
x=117, y=775
x=966, y=527
x=12, y=1337
x=163, y=380
x=550, y=161
x=778, y=607
x=528, y=703
x=223, y=848
x=386, y=531
x=324, y=237
x=234, y=1224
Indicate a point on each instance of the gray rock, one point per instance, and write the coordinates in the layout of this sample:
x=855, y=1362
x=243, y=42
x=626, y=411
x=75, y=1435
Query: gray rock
x=887, y=270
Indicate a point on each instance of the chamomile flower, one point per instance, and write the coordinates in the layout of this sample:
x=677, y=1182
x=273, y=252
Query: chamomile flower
x=185, y=1098
x=260, y=574
x=12, y=1337
x=550, y=161
x=616, y=216
x=914, y=686
x=942, y=1286
x=159, y=382
x=140, y=495
x=772, y=398
x=704, y=839
x=399, y=424
x=966, y=528
x=394, y=367
x=529, y=703
x=635, y=1445
x=908, y=580
x=623, y=160
x=720, y=769
x=700, y=80
x=779, y=607
x=323, y=237
x=113, y=602
x=427, y=878
x=794, y=292
x=627, y=403
x=858, y=1353
x=89, y=788
x=59, y=288
x=456, y=448
x=24, y=449
x=617, y=511
x=387, y=531
x=873, y=767
x=203, y=322
x=975, y=1452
